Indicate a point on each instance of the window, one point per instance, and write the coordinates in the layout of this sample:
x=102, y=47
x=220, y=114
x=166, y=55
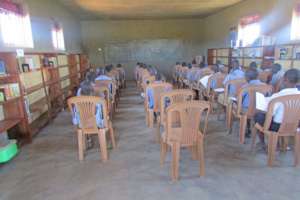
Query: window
x=295, y=27
x=249, y=30
x=15, y=26
x=58, y=37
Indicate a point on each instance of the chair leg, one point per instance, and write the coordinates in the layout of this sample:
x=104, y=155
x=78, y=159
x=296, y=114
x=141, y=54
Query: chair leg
x=158, y=137
x=272, y=144
x=151, y=118
x=103, y=146
x=175, y=161
x=201, y=157
x=243, y=124
x=80, y=145
x=297, y=149
x=229, y=116
x=253, y=132
x=112, y=135
x=163, y=152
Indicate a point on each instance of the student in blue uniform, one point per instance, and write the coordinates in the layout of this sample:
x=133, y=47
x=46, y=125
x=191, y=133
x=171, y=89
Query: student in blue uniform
x=277, y=74
x=290, y=80
x=235, y=73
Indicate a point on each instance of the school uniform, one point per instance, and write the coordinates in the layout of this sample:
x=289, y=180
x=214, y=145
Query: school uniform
x=278, y=110
x=245, y=95
x=233, y=75
x=276, y=77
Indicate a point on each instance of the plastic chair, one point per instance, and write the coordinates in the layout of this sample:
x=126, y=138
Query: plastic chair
x=86, y=107
x=235, y=107
x=185, y=132
x=158, y=89
x=168, y=99
x=288, y=127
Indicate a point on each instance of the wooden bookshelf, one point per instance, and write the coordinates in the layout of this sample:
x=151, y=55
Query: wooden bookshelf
x=12, y=110
x=52, y=78
x=288, y=55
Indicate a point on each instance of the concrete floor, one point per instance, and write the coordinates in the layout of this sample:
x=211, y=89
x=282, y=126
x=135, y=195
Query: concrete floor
x=49, y=167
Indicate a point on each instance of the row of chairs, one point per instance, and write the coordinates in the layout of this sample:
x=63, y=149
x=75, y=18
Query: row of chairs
x=107, y=94
x=232, y=106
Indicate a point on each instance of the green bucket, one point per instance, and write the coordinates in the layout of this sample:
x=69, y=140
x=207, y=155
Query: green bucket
x=9, y=151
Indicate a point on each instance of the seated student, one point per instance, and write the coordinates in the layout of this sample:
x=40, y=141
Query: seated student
x=251, y=76
x=277, y=74
x=102, y=73
x=253, y=65
x=190, y=72
x=86, y=89
x=290, y=79
x=235, y=73
x=149, y=91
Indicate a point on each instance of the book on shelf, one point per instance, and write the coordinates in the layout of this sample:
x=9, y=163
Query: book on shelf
x=10, y=91
x=2, y=68
x=1, y=113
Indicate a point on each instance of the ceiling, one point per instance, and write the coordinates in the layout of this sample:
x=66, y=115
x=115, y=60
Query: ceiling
x=145, y=9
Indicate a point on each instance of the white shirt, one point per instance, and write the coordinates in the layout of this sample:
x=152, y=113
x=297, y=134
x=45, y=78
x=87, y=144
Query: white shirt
x=278, y=107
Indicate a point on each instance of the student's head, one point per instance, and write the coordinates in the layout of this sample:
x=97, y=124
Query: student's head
x=90, y=77
x=235, y=64
x=202, y=65
x=215, y=68
x=291, y=78
x=253, y=65
x=100, y=71
x=183, y=64
x=276, y=68
x=119, y=65
x=108, y=68
x=251, y=74
x=158, y=77
x=190, y=66
x=194, y=62
x=177, y=63
x=86, y=88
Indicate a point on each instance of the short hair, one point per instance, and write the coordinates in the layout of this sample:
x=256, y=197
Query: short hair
x=202, y=65
x=190, y=66
x=251, y=74
x=183, y=64
x=90, y=77
x=86, y=88
x=215, y=68
x=108, y=68
x=253, y=65
x=119, y=65
x=177, y=63
x=276, y=67
x=292, y=75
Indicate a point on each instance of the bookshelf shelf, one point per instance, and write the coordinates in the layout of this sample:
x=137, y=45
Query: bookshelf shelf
x=8, y=124
x=8, y=101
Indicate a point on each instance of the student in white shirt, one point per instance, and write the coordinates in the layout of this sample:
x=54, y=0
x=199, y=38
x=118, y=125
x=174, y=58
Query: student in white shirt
x=290, y=80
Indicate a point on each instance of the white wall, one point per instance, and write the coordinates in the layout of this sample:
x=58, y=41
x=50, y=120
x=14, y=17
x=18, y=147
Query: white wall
x=41, y=13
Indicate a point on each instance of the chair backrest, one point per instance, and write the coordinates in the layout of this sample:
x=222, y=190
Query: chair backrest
x=86, y=107
x=107, y=83
x=158, y=90
x=252, y=90
x=264, y=76
x=190, y=114
x=237, y=83
x=218, y=78
x=103, y=91
x=291, y=114
x=172, y=97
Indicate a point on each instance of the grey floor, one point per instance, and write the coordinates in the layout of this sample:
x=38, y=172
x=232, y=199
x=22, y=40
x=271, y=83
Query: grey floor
x=49, y=168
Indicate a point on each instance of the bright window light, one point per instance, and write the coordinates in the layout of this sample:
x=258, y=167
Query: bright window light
x=58, y=38
x=15, y=29
x=295, y=27
x=248, y=34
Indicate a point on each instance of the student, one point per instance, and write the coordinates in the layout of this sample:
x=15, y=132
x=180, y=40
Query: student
x=183, y=71
x=149, y=91
x=86, y=89
x=253, y=65
x=290, y=80
x=235, y=73
x=101, y=76
x=190, y=72
x=251, y=76
x=277, y=74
